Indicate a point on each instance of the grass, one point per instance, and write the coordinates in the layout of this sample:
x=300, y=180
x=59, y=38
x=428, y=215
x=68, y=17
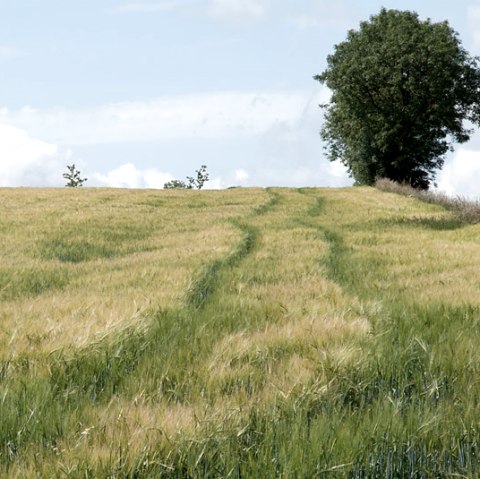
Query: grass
x=464, y=210
x=78, y=265
x=275, y=333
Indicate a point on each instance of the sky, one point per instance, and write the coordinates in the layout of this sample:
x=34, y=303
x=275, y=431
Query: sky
x=139, y=92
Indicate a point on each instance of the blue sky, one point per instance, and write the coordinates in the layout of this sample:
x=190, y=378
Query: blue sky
x=137, y=92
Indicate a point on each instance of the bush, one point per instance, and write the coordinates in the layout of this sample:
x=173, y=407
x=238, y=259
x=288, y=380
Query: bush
x=176, y=184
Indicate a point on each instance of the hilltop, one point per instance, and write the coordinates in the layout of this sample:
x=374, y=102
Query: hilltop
x=240, y=333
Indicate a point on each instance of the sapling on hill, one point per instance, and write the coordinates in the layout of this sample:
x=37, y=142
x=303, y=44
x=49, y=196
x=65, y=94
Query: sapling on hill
x=73, y=177
x=196, y=182
x=200, y=180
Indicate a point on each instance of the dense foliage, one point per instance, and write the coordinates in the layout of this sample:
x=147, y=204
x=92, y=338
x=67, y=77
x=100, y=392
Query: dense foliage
x=402, y=89
x=175, y=185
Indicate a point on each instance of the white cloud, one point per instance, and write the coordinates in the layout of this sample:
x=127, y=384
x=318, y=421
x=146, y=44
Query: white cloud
x=241, y=175
x=461, y=174
x=150, y=7
x=296, y=176
x=220, y=9
x=274, y=137
x=27, y=161
x=215, y=184
x=128, y=176
x=237, y=9
x=153, y=178
x=338, y=169
x=207, y=116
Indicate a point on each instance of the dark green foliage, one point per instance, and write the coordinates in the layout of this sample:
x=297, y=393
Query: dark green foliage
x=200, y=179
x=175, y=185
x=401, y=90
x=73, y=177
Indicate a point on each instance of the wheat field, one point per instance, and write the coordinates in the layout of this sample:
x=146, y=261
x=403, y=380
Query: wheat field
x=237, y=333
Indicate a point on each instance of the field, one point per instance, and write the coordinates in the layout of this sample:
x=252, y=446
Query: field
x=258, y=333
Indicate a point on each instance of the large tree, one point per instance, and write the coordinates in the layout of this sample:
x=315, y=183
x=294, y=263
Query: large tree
x=403, y=91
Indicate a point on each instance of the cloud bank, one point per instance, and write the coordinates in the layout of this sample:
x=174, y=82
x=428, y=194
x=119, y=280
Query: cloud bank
x=28, y=161
x=151, y=7
x=207, y=116
x=219, y=9
x=270, y=139
x=272, y=126
x=461, y=175
x=129, y=176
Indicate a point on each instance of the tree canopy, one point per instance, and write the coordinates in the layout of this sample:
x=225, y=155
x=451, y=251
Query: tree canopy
x=403, y=91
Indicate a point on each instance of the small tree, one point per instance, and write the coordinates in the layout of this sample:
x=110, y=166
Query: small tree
x=200, y=180
x=73, y=177
x=401, y=91
x=197, y=182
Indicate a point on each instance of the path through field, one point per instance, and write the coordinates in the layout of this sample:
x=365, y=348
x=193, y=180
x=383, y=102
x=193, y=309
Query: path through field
x=323, y=333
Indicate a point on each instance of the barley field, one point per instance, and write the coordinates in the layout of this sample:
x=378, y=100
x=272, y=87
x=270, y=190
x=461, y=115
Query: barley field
x=245, y=333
